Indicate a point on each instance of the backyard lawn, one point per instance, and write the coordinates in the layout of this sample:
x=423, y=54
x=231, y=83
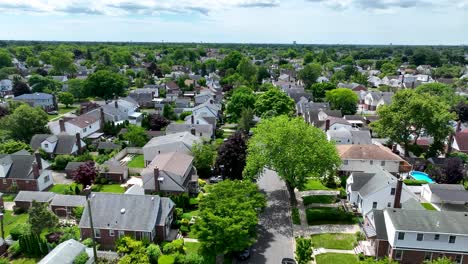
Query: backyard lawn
x=329, y=215
x=62, y=110
x=64, y=188
x=313, y=184
x=428, y=206
x=194, y=247
x=25, y=261
x=137, y=162
x=11, y=221
x=325, y=199
x=334, y=241
x=8, y=197
x=329, y=258
x=108, y=188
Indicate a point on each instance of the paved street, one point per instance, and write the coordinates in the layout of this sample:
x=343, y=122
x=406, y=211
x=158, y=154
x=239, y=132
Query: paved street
x=275, y=240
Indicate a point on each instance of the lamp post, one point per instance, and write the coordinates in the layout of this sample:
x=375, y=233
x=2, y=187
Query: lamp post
x=88, y=200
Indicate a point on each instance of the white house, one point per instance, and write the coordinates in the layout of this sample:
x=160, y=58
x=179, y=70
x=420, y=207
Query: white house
x=208, y=108
x=85, y=125
x=345, y=136
x=178, y=142
x=372, y=99
x=119, y=110
x=61, y=144
x=445, y=196
x=377, y=190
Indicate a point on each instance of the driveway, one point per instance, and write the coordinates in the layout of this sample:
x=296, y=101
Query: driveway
x=60, y=178
x=275, y=235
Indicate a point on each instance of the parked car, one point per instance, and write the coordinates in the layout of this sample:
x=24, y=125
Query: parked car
x=52, y=112
x=216, y=179
x=288, y=261
x=244, y=254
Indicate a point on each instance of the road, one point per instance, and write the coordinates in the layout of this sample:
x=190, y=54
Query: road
x=275, y=235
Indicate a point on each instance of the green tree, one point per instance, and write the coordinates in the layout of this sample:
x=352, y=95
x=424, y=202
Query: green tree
x=242, y=97
x=303, y=250
x=273, y=103
x=441, y=90
x=246, y=120
x=411, y=113
x=247, y=70
x=66, y=98
x=40, y=83
x=319, y=90
x=105, y=84
x=45, y=57
x=231, y=60
x=202, y=81
x=262, y=74
x=309, y=74
x=168, y=112
x=62, y=61
x=136, y=135
x=77, y=88
x=13, y=146
x=342, y=99
x=25, y=122
x=32, y=61
x=308, y=58
x=5, y=59
x=203, y=159
x=40, y=217
x=294, y=149
x=228, y=216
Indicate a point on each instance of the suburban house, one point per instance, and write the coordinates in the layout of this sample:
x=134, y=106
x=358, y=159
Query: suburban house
x=23, y=171
x=446, y=197
x=204, y=131
x=377, y=190
x=172, y=88
x=113, y=171
x=349, y=137
x=373, y=99
x=172, y=173
x=333, y=123
x=460, y=141
x=144, y=96
x=178, y=142
x=413, y=236
x=118, y=111
x=85, y=125
x=6, y=87
x=369, y=158
x=138, y=216
x=203, y=97
x=61, y=144
x=63, y=205
x=43, y=100
x=66, y=252
x=208, y=108
x=24, y=199
x=355, y=120
x=202, y=120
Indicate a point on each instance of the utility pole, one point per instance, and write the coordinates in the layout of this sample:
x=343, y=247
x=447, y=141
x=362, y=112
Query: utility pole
x=88, y=200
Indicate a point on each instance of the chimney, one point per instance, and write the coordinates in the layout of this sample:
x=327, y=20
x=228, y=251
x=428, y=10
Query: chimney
x=192, y=118
x=399, y=186
x=327, y=125
x=37, y=155
x=192, y=131
x=62, y=125
x=211, y=101
x=102, y=121
x=156, y=179
x=78, y=143
x=35, y=170
x=116, y=104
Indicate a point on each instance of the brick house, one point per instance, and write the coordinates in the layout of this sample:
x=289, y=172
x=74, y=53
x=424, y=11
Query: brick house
x=23, y=171
x=113, y=171
x=138, y=216
x=24, y=199
x=63, y=205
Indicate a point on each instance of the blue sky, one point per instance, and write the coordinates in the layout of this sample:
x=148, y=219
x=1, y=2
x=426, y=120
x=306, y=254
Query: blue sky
x=431, y=22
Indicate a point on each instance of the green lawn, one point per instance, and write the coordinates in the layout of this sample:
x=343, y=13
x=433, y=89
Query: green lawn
x=11, y=221
x=194, y=247
x=8, y=197
x=334, y=241
x=62, y=110
x=25, y=261
x=109, y=188
x=429, y=206
x=329, y=258
x=329, y=215
x=59, y=188
x=137, y=162
x=296, y=217
x=324, y=199
x=314, y=185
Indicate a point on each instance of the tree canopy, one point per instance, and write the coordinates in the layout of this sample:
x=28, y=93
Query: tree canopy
x=105, y=84
x=242, y=97
x=136, y=136
x=230, y=161
x=40, y=217
x=25, y=122
x=309, y=74
x=204, y=157
x=342, y=99
x=273, y=103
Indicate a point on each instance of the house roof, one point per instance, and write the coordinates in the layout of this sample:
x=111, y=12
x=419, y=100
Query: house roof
x=29, y=196
x=174, y=162
x=361, y=137
x=412, y=204
x=185, y=137
x=126, y=211
x=34, y=96
x=449, y=192
x=360, y=179
x=379, y=229
x=64, y=142
x=428, y=221
x=379, y=180
x=366, y=152
x=172, y=85
x=73, y=165
x=68, y=200
x=199, y=128
x=18, y=165
x=135, y=189
x=354, y=117
x=462, y=140
x=108, y=145
x=64, y=253
x=83, y=121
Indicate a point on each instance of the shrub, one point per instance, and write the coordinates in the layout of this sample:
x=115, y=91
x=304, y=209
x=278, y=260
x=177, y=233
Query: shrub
x=166, y=259
x=360, y=236
x=303, y=250
x=77, y=212
x=183, y=115
x=184, y=229
x=154, y=252
x=328, y=215
x=173, y=247
x=61, y=162
x=178, y=213
x=4, y=260
x=20, y=229
x=87, y=242
x=18, y=210
x=326, y=199
x=194, y=258
x=296, y=219
x=410, y=182
x=72, y=232
x=82, y=258
x=343, y=194
x=15, y=249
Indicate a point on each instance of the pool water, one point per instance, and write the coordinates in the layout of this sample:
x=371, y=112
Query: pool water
x=421, y=176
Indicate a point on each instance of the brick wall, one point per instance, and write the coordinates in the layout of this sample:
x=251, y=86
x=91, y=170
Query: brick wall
x=417, y=257
x=6, y=185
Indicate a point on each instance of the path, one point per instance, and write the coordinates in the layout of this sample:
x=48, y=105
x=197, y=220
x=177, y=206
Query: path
x=317, y=192
x=318, y=251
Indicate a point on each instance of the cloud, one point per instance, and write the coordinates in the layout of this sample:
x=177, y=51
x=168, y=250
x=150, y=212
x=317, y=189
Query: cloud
x=388, y=4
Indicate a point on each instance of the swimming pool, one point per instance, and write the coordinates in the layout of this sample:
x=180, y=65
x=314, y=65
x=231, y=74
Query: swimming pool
x=421, y=176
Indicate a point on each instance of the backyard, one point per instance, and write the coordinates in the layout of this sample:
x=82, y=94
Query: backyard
x=137, y=162
x=11, y=221
x=324, y=199
x=328, y=258
x=329, y=215
x=334, y=241
x=313, y=184
x=108, y=188
x=62, y=110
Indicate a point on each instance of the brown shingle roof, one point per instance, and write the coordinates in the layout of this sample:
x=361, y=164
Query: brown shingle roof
x=83, y=121
x=462, y=140
x=366, y=152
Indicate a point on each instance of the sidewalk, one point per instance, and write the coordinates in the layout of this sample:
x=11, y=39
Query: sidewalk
x=318, y=192
x=319, y=251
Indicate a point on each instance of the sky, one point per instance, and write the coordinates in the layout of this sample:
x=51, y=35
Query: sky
x=408, y=22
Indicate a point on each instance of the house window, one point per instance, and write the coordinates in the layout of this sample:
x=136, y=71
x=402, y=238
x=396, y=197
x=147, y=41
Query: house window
x=46, y=178
x=389, y=204
x=345, y=162
x=382, y=163
x=46, y=145
x=4, y=181
x=392, y=191
x=121, y=233
x=111, y=232
x=458, y=259
x=420, y=237
x=374, y=205
x=398, y=254
x=436, y=237
x=84, y=130
x=371, y=162
x=97, y=233
x=428, y=256
x=452, y=239
x=13, y=182
x=401, y=235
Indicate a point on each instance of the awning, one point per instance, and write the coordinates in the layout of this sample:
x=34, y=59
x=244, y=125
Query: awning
x=136, y=114
x=95, y=135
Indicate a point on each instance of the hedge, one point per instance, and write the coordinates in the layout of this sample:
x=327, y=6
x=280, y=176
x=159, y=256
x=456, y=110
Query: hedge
x=410, y=182
x=329, y=215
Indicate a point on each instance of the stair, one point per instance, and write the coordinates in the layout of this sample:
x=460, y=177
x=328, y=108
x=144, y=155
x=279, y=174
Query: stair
x=358, y=249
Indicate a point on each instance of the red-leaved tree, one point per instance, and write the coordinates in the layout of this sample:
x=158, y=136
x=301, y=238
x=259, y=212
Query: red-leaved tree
x=85, y=174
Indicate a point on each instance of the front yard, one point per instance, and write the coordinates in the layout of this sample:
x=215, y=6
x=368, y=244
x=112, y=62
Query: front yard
x=334, y=241
x=323, y=199
x=11, y=221
x=329, y=258
x=137, y=162
x=313, y=184
x=329, y=215
x=108, y=188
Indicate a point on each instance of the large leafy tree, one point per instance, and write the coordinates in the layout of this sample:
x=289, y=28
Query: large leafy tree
x=40, y=217
x=294, y=149
x=85, y=174
x=66, y=98
x=25, y=122
x=247, y=70
x=40, y=83
x=440, y=90
x=62, y=61
x=231, y=60
x=342, y=99
x=20, y=87
x=136, y=135
x=77, y=88
x=242, y=98
x=310, y=73
x=246, y=120
x=105, y=84
x=156, y=122
x=230, y=161
x=5, y=59
x=13, y=146
x=319, y=90
x=204, y=156
x=273, y=103
x=410, y=115
x=229, y=216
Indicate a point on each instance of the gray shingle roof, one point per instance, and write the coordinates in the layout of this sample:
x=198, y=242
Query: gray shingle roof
x=21, y=165
x=34, y=96
x=449, y=192
x=68, y=200
x=125, y=211
x=29, y=196
x=428, y=221
x=64, y=145
x=199, y=128
x=360, y=179
x=64, y=253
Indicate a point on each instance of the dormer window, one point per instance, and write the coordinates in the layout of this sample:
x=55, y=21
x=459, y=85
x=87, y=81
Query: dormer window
x=46, y=145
